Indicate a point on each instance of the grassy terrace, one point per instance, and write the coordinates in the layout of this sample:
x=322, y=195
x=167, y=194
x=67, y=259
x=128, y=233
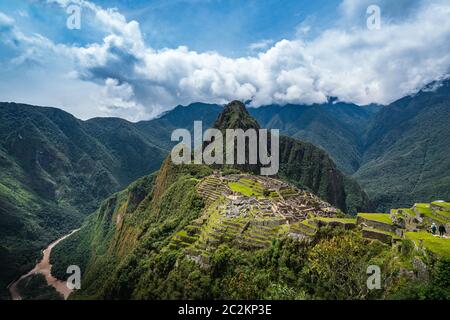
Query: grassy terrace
x=305, y=227
x=379, y=217
x=392, y=234
x=342, y=220
x=247, y=187
x=440, y=246
x=408, y=211
x=308, y=223
x=286, y=193
x=443, y=213
x=274, y=195
x=425, y=209
x=442, y=204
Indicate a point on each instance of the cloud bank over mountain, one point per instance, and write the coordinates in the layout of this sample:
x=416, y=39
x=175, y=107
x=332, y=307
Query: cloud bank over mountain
x=122, y=75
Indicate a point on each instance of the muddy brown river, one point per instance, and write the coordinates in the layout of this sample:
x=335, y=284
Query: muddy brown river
x=44, y=267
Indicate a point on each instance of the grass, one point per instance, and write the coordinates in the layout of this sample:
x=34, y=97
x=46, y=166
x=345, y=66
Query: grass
x=247, y=187
x=443, y=213
x=342, y=220
x=183, y=236
x=430, y=214
x=251, y=182
x=409, y=211
x=308, y=223
x=442, y=204
x=381, y=231
x=440, y=246
x=379, y=217
x=274, y=195
x=424, y=208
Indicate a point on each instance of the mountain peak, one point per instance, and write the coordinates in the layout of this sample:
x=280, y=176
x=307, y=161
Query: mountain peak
x=235, y=116
x=236, y=106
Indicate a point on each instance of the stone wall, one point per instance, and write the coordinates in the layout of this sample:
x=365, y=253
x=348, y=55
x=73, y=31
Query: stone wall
x=375, y=224
x=373, y=234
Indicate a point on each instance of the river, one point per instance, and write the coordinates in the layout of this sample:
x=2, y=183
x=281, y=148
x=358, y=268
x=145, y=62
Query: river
x=44, y=267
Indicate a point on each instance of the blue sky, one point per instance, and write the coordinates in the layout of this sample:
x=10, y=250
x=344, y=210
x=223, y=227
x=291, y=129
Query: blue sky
x=136, y=59
x=227, y=26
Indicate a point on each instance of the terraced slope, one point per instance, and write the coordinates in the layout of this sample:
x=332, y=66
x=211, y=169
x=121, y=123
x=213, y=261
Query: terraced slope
x=243, y=211
x=176, y=239
x=409, y=223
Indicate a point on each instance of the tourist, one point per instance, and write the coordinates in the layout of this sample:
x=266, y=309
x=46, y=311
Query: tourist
x=433, y=228
x=442, y=230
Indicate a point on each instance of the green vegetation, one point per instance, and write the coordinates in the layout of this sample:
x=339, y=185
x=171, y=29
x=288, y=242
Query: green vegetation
x=169, y=205
x=380, y=231
x=170, y=246
x=157, y=240
x=425, y=210
x=35, y=287
x=247, y=187
x=437, y=288
x=310, y=168
x=442, y=204
x=338, y=130
x=444, y=213
x=379, y=217
x=56, y=169
x=342, y=220
x=433, y=243
x=406, y=159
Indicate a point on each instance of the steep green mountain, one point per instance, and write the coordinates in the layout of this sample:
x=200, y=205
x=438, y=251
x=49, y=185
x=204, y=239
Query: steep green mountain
x=398, y=153
x=55, y=169
x=235, y=116
x=406, y=156
x=191, y=232
x=337, y=128
x=302, y=164
x=172, y=235
x=311, y=168
x=180, y=117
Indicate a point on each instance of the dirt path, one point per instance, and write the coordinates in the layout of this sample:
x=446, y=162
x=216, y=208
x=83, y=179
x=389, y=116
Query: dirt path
x=44, y=267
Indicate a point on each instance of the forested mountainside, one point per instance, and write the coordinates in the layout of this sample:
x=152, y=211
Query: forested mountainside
x=303, y=164
x=398, y=153
x=193, y=232
x=338, y=128
x=407, y=150
x=56, y=168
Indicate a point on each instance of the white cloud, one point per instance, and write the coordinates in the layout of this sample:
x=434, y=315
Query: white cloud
x=354, y=64
x=304, y=27
x=5, y=20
